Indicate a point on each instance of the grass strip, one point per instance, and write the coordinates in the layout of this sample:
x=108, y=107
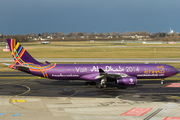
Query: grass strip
x=82, y=50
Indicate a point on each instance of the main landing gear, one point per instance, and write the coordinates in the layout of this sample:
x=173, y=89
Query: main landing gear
x=100, y=85
x=103, y=83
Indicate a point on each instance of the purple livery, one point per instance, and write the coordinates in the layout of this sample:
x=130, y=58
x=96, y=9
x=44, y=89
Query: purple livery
x=121, y=74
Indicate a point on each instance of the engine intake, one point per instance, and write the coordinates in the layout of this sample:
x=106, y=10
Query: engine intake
x=129, y=81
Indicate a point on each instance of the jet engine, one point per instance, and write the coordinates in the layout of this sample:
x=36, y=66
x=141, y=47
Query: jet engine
x=129, y=81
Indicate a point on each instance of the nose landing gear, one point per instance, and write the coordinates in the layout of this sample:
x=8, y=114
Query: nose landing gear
x=162, y=81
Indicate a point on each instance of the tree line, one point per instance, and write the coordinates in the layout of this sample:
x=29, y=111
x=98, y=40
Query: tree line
x=83, y=35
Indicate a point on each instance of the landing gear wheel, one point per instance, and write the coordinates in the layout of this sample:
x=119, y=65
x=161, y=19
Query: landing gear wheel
x=99, y=86
x=88, y=83
x=93, y=83
x=162, y=81
x=104, y=86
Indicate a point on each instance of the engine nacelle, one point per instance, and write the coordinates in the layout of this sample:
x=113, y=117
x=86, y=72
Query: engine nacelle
x=129, y=81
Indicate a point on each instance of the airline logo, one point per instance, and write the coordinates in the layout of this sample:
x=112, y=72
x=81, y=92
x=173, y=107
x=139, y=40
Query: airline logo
x=131, y=79
x=154, y=71
x=160, y=66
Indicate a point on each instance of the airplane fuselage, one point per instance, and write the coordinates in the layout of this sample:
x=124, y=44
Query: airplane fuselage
x=90, y=71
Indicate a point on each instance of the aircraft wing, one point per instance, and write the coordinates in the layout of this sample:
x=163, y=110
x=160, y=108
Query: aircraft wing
x=102, y=74
x=110, y=75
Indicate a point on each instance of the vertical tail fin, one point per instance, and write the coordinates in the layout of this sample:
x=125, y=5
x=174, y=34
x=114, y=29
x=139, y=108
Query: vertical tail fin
x=20, y=55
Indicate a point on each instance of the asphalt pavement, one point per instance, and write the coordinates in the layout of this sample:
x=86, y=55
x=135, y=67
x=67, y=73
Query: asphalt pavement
x=49, y=99
x=147, y=90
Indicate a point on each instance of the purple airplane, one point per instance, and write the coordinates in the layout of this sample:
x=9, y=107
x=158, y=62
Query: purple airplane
x=121, y=74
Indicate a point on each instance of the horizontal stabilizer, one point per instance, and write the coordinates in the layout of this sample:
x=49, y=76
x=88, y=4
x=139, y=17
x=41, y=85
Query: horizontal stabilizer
x=22, y=68
x=6, y=64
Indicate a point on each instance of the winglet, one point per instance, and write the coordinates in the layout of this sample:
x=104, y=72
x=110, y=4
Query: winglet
x=101, y=70
x=101, y=74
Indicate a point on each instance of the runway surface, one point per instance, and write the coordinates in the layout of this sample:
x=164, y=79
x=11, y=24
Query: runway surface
x=103, y=60
x=73, y=100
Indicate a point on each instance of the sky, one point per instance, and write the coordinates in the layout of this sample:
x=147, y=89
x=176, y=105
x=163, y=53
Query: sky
x=38, y=16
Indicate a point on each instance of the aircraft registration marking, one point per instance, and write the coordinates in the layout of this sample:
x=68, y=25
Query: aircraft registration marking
x=136, y=112
x=174, y=85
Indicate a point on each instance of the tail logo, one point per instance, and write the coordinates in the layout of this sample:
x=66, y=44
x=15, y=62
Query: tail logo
x=18, y=51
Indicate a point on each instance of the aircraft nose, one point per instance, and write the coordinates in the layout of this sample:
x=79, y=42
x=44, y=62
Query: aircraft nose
x=175, y=71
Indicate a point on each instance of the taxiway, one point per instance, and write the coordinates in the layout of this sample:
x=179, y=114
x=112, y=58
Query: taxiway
x=73, y=100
